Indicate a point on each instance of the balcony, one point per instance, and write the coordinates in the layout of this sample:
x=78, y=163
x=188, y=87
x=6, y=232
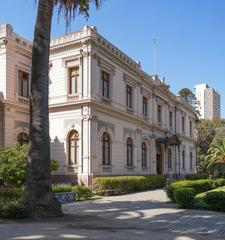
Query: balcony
x=23, y=100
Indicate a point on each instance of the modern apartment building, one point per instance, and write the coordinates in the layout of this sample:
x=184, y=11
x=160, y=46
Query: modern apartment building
x=107, y=116
x=208, y=101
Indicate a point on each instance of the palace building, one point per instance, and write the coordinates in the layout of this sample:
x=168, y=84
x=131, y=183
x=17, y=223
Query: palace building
x=107, y=116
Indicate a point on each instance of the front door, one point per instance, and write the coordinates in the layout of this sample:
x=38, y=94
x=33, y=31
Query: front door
x=159, y=160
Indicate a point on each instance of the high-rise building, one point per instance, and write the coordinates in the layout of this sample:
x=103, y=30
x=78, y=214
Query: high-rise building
x=208, y=101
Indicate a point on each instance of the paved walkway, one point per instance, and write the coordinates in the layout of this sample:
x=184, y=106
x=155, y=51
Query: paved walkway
x=146, y=215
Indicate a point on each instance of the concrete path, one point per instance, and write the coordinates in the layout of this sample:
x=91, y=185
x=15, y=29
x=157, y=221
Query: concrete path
x=146, y=215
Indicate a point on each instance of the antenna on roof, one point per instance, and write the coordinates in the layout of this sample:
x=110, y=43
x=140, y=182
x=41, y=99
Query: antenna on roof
x=155, y=55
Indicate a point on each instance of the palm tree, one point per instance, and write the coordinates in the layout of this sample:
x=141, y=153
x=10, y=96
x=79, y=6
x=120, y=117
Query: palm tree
x=216, y=159
x=38, y=194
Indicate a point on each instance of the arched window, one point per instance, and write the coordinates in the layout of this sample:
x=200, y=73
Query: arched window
x=144, y=155
x=169, y=158
x=22, y=138
x=129, y=152
x=183, y=159
x=73, y=147
x=105, y=149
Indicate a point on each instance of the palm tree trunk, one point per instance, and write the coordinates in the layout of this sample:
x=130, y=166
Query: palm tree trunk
x=38, y=193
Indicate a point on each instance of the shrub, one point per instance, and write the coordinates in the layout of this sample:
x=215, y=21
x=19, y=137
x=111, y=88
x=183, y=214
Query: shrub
x=15, y=209
x=197, y=176
x=13, y=165
x=83, y=192
x=9, y=195
x=129, y=183
x=199, y=201
x=184, y=197
x=198, y=185
x=216, y=199
x=61, y=188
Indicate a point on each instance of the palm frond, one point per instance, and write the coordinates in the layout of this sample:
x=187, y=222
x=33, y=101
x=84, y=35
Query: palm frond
x=70, y=8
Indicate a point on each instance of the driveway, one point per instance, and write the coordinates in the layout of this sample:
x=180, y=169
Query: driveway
x=145, y=215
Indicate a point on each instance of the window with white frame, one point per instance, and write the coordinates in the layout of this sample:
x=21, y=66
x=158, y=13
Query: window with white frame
x=129, y=97
x=129, y=152
x=169, y=158
x=73, y=80
x=183, y=159
x=159, y=113
x=105, y=84
x=171, y=119
x=23, y=84
x=106, y=149
x=144, y=155
x=145, y=107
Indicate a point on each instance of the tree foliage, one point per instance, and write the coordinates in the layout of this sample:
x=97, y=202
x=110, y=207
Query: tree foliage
x=216, y=159
x=13, y=165
x=188, y=96
x=208, y=133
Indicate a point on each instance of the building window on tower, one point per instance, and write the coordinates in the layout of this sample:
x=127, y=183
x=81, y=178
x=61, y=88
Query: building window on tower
x=159, y=113
x=129, y=97
x=23, y=84
x=144, y=155
x=129, y=152
x=73, y=147
x=73, y=80
x=145, y=107
x=106, y=149
x=105, y=85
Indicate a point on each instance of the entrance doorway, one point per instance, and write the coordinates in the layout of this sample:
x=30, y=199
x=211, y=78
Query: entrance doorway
x=159, y=160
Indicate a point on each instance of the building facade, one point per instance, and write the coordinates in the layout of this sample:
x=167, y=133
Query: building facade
x=107, y=116
x=15, y=68
x=208, y=101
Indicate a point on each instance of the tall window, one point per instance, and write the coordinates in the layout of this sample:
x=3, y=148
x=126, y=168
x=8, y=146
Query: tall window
x=159, y=113
x=22, y=138
x=191, y=160
x=23, y=84
x=73, y=145
x=171, y=119
x=105, y=149
x=129, y=97
x=145, y=106
x=73, y=80
x=170, y=158
x=105, y=84
x=190, y=125
x=183, y=124
x=129, y=152
x=183, y=159
x=144, y=155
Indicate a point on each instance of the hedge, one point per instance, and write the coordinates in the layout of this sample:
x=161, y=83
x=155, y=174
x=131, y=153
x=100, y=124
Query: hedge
x=9, y=195
x=129, y=183
x=184, y=197
x=213, y=199
x=82, y=192
x=198, y=185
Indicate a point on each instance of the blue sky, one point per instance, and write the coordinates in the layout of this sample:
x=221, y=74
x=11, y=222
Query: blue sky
x=190, y=35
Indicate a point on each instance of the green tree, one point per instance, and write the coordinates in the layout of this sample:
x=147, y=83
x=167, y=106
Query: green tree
x=13, y=165
x=206, y=132
x=216, y=159
x=188, y=96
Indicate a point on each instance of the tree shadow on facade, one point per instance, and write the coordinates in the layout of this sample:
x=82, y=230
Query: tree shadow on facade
x=62, y=177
